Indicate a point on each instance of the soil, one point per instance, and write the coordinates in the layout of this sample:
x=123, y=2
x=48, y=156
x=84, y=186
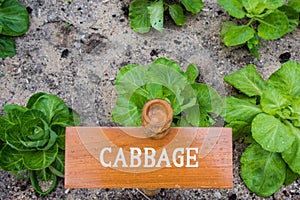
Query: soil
x=74, y=49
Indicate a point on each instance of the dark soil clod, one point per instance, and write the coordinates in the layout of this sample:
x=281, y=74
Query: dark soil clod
x=125, y=9
x=284, y=57
x=154, y=52
x=65, y=53
x=29, y=10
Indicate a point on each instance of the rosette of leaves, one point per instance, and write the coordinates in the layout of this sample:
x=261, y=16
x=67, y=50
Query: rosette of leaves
x=192, y=103
x=267, y=19
x=268, y=114
x=145, y=14
x=33, y=138
x=14, y=21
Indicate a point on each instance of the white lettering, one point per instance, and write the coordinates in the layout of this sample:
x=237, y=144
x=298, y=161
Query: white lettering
x=103, y=163
x=146, y=157
x=190, y=158
x=181, y=157
x=136, y=157
x=149, y=157
x=120, y=157
x=163, y=157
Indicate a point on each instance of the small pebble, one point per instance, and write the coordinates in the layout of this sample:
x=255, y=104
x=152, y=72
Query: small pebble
x=218, y=195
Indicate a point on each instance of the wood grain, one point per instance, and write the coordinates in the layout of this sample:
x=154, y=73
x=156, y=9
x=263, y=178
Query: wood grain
x=83, y=169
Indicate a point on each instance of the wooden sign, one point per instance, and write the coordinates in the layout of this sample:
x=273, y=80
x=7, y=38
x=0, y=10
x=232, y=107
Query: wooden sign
x=123, y=157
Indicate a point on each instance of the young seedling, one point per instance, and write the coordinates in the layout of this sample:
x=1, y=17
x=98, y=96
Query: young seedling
x=145, y=14
x=268, y=20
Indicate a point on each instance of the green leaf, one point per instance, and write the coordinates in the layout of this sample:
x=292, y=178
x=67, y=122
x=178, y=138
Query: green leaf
x=273, y=101
x=292, y=154
x=4, y=125
x=240, y=110
x=292, y=15
x=287, y=79
x=193, y=6
x=169, y=64
x=295, y=4
x=126, y=112
x=226, y=27
x=247, y=80
x=290, y=176
x=155, y=91
x=177, y=15
x=74, y=118
x=7, y=46
x=54, y=109
x=61, y=136
x=273, y=26
x=39, y=159
x=11, y=159
x=273, y=4
x=206, y=120
x=237, y=35
x=33, y=99
x=233, y=7
x=271, y=134
x=239, y=129
x=254, y=6
x=139, y=16
x=253, y=100
x=208, y=98
x=34, y=127
x=33, y=134
x=130, y=78
x=58, y=166
x=156, y=12
x=192, y=117
x=14, y=18
x=168, y=74
x=262, y=171
x=170, y=97
x=14, y=112
x=35, y=183
x=296, y=112
x=189, y=97
x=191, y=73
x=44, y=174
x=257, y=6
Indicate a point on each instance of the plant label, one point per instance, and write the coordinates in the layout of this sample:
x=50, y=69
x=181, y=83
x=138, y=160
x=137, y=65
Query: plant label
x=123, y=157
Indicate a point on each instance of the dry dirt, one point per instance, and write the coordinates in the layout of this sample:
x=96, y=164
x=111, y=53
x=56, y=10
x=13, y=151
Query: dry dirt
x=74, y=49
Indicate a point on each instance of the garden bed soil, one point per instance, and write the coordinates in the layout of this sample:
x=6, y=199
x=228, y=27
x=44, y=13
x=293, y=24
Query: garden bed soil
x=74, y=49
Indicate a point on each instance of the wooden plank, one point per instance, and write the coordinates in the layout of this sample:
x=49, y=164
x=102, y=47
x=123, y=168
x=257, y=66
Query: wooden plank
x=211, y=164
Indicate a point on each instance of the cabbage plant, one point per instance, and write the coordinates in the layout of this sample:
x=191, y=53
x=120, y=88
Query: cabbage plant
x=32, y=138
